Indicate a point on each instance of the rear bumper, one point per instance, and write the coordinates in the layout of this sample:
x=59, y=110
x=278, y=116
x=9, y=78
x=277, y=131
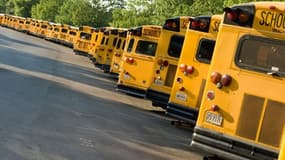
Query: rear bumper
x=230, y=148
x=131, y=90
x=180, y=112
x=158, y=99
x=82, y=53
x=106, y=68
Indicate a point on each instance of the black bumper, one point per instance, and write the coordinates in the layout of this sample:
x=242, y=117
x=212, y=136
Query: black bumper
x=180, y=112
x=131, y=91
x=81, y=53
x=106, y=68
x=158, y=99
x=230, y=148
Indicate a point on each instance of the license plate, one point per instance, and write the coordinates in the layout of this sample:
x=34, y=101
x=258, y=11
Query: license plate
x=127, y=77
x=116, y=66
x=181, y=96
x=158, y=82
x=214, y=118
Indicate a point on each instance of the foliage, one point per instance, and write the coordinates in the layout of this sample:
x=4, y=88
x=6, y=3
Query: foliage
x=46, y=9
x=83, y=12
x=116, y=13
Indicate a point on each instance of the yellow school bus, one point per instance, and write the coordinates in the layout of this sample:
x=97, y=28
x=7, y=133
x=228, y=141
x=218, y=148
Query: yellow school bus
x=2, y=17
x=169, y=47
x=41, y=28
x=139, y=59
x=83, y=40
x=105, y=52
x=14, y=22
x=50, y=30
x=10, y=21
x=4, y=20
x=193, y=66
x=118, y=52
x=53, y=32
x=242, y=110
x=98, y=32
x=19, y=23
x=32, y=27
x=71, y=37
x=27, y=23
x=63, y=33
x=98, y=39
x=104, y=47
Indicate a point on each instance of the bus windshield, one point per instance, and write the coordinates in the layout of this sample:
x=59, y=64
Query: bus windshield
x=146, y=48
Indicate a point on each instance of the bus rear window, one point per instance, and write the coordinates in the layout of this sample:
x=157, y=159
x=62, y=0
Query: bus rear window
x=261, y=54
x=64, y=30
x=175, y=46
x=119, y=44
x=72, y=33
x=44, y=26
x=131, y=44
x=84, y=35
x=146, y=48
x=205, y=50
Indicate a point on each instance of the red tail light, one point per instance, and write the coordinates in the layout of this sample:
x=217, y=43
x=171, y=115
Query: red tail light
x=101, y=49
x=110, y=50
x=129, y=60
x=186, y=69
x=232, y=16
x=160, y=62
x=190, y=69
x=210, y=95
x=195, y=24
x=219, y=80
x=171, y=24
x=243, y=17
x=182, y=89
x=214, y=108
x=226, y=80
x=165, y=63
x=183, y=67
x=117, y=54
x=216, y=77
x=272, y=7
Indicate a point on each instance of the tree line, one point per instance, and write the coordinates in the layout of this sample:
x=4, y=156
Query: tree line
x=115, y=13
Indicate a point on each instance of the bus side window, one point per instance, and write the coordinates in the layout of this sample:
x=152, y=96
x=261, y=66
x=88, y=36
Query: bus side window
x=115, y=41
x=102, y=41
x=205, y=50
x=124, y=43
x=175, y=46
x=119, y=44
x=131, y=44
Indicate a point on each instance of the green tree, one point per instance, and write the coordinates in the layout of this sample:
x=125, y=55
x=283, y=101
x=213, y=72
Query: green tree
x=83, y=12
x=47, y=9
x=23, y=7
x=136, y=13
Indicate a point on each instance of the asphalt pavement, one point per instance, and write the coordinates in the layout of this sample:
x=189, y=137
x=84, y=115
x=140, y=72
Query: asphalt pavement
x=55, y=105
